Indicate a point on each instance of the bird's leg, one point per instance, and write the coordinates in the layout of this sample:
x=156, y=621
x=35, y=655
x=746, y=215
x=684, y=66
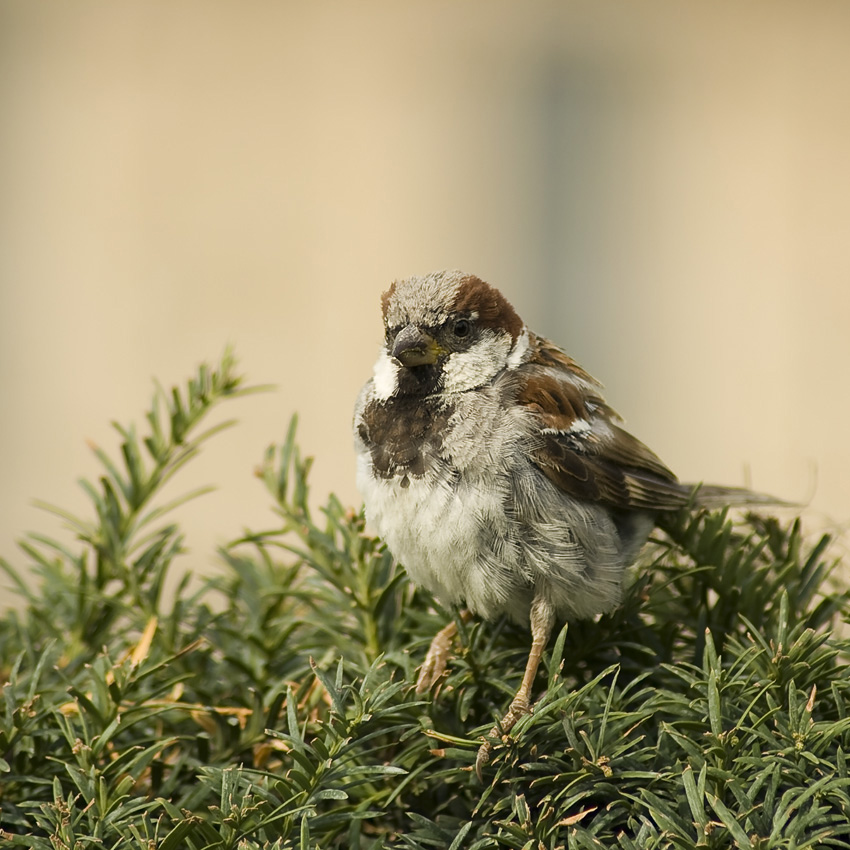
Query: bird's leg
x=542, y=621
x=438, y=653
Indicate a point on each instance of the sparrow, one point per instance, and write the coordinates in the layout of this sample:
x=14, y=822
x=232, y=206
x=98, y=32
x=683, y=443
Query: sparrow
x=497, y=474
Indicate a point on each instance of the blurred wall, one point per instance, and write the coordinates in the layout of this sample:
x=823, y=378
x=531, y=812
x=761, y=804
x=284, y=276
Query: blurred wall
x=663, y=188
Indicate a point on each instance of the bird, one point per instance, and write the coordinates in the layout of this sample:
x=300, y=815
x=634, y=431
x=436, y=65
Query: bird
x=496, y=473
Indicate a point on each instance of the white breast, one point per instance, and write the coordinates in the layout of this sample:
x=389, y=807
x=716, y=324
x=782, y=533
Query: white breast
x=482, y=527
x=434, y=529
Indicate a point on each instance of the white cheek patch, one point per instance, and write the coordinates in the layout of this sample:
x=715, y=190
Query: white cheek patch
x=520, y=349
x=465, y=370
x=385, y=376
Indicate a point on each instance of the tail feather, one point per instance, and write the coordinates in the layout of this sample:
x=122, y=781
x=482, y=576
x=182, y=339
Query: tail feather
x=715, y=496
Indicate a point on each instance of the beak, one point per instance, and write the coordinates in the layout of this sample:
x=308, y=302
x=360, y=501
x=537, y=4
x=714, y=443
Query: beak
x=413, y=347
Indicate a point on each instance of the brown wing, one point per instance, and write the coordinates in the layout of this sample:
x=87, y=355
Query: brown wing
x=581, y=447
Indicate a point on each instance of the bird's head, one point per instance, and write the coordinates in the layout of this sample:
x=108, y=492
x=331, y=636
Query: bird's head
x=446, y=332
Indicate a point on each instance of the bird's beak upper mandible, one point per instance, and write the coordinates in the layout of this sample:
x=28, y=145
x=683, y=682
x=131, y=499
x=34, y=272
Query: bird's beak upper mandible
x=414, y=347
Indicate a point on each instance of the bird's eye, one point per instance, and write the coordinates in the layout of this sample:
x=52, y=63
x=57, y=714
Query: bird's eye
x=462, y=328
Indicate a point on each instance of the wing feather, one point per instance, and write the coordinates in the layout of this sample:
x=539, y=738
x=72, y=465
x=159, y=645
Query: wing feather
x=581, y=447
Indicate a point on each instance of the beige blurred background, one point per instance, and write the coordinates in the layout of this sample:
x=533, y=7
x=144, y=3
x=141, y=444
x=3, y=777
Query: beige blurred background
x=663, y=188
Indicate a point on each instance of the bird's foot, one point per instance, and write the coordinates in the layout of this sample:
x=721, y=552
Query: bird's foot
x=518, y=707
x=435, y=659
x=434, y=664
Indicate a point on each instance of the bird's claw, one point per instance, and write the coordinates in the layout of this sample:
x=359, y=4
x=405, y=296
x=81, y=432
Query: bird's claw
x=518, y=707
x=432, y=668
x=434, y=664
x=482, y=759
x=437, y=656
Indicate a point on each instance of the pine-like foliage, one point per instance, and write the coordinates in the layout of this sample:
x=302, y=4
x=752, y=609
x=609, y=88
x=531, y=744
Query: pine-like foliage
x=274, y=707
